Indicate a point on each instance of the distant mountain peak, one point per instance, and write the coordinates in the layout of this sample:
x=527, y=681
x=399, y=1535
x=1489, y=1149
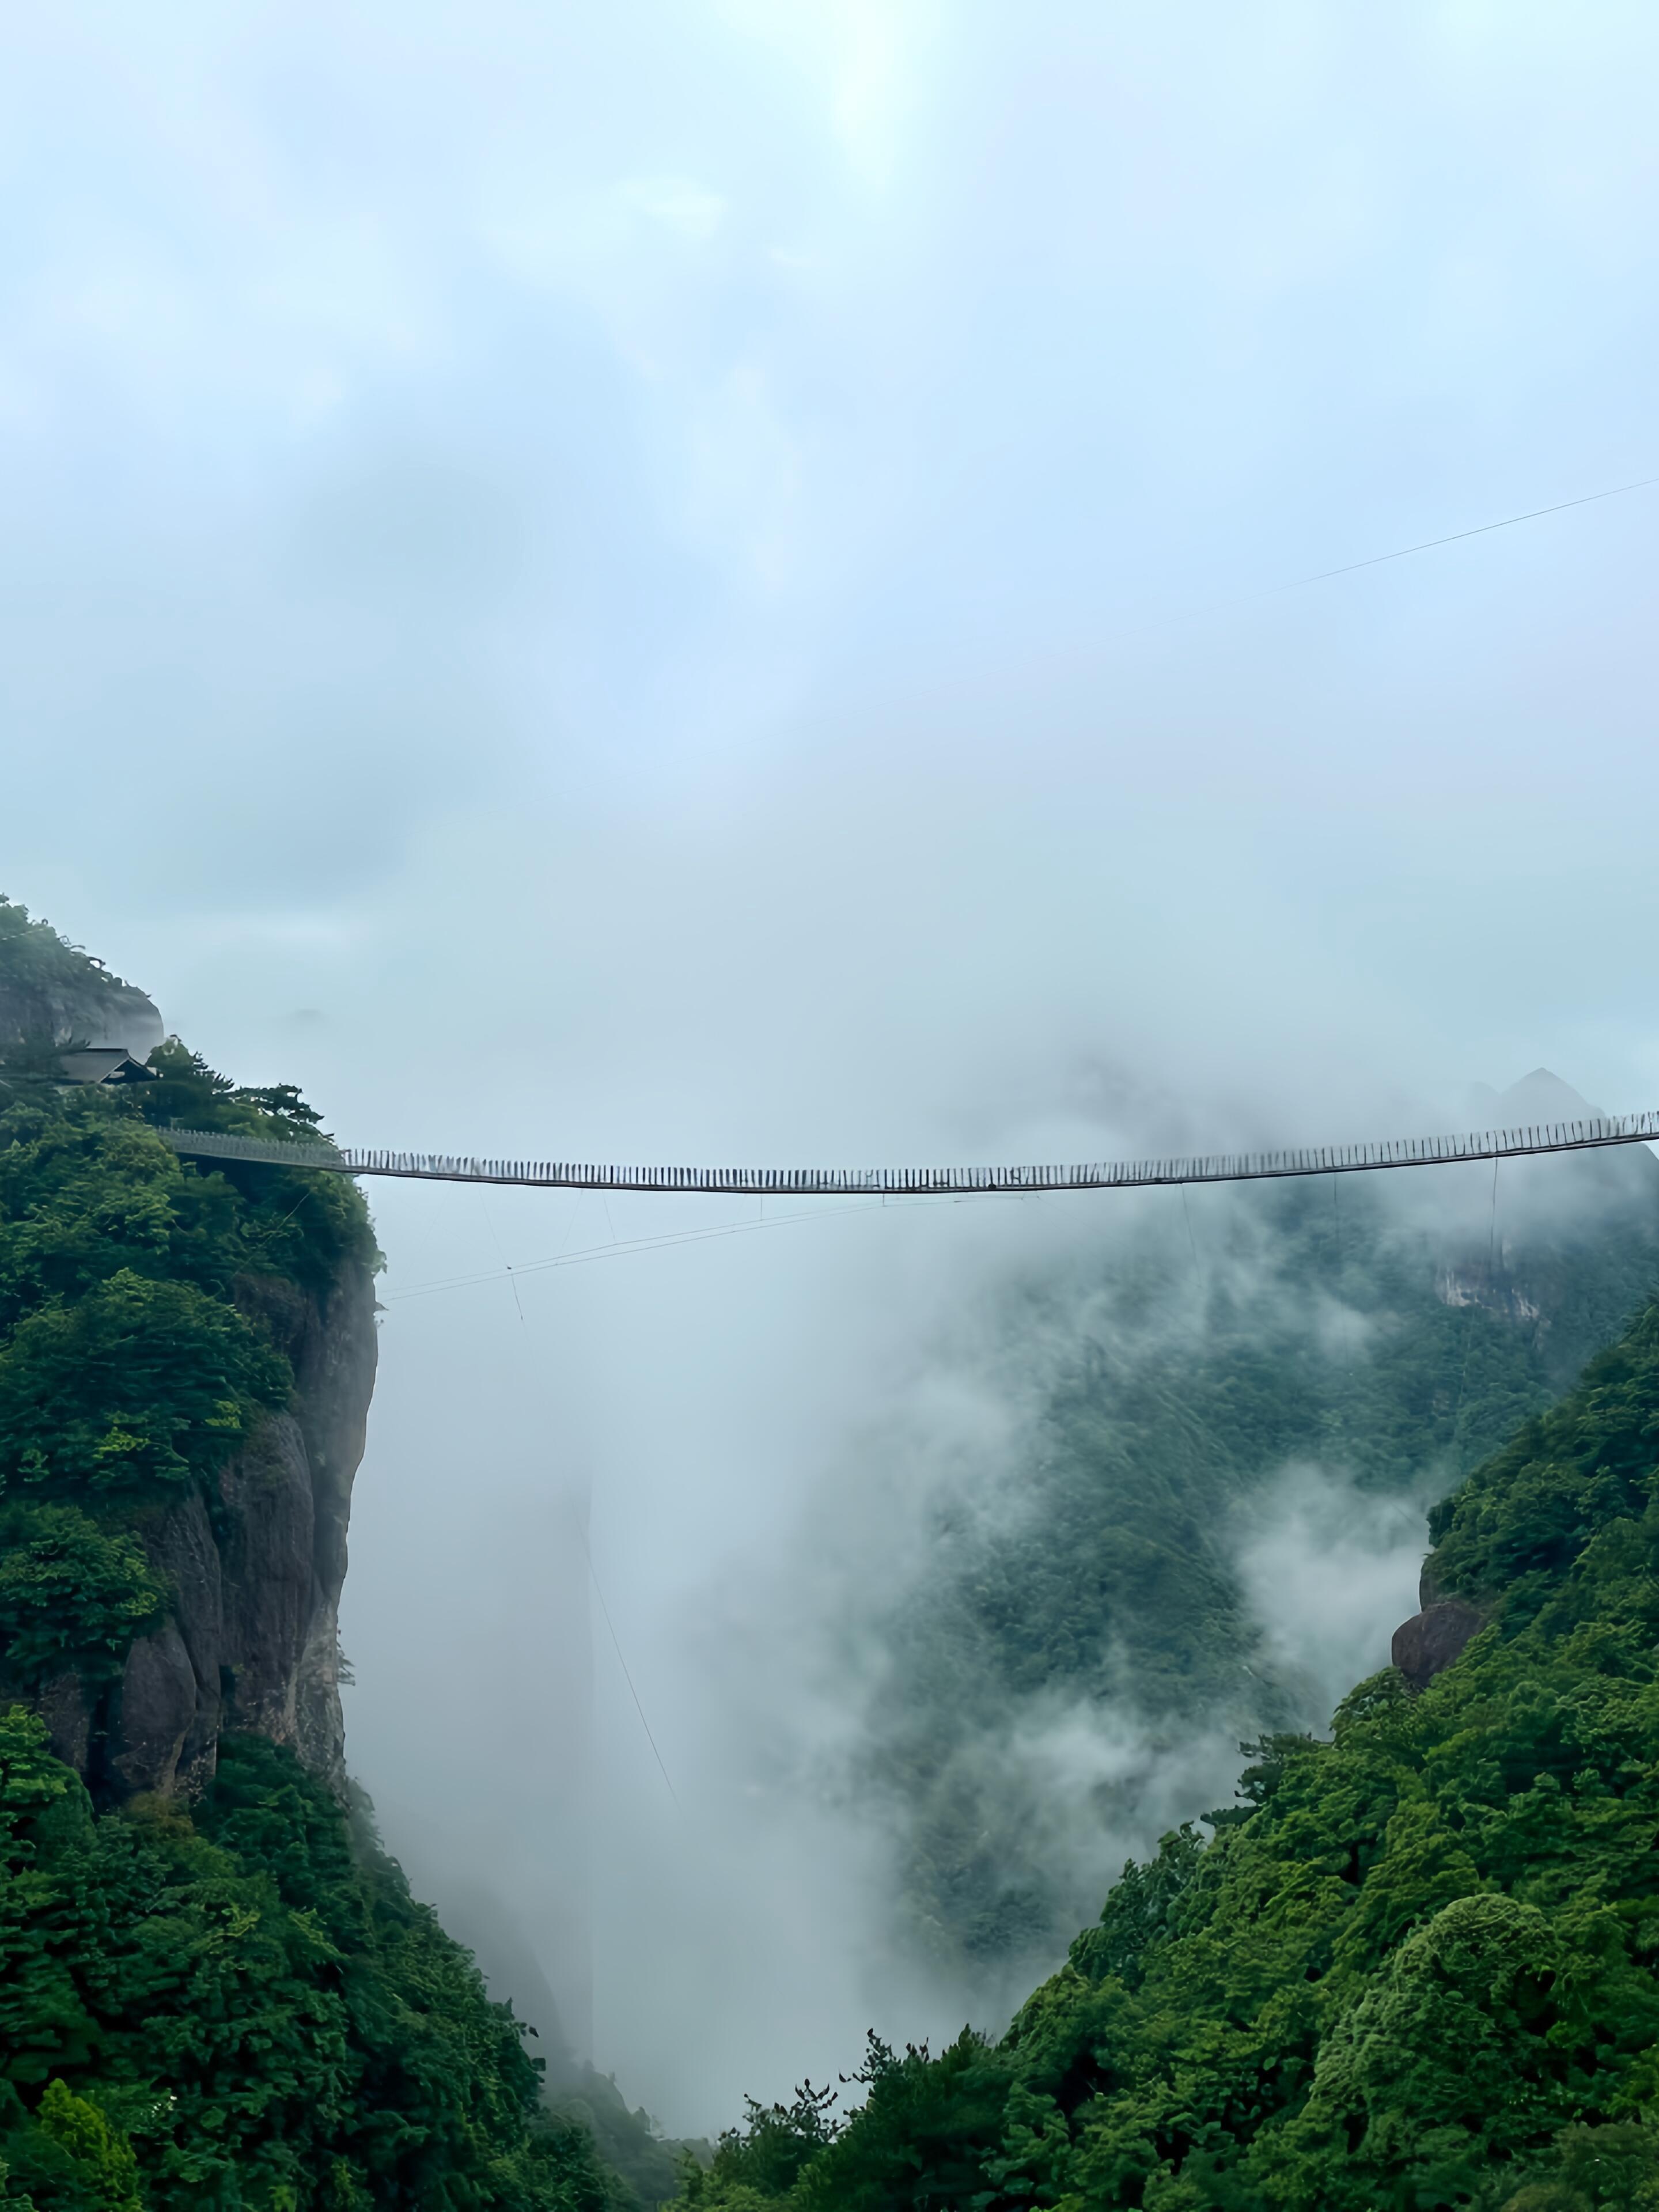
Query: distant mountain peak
x=1540, y=1097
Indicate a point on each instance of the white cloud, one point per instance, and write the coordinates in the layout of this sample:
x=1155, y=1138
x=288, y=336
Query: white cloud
x=1331, y=1572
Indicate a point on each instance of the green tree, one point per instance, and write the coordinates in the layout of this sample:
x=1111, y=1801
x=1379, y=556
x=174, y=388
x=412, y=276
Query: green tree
x=70, y=1592
x=136, y=1384
x=96, y=2164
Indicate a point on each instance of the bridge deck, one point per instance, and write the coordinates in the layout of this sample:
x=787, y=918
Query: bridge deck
x=1588, y=1135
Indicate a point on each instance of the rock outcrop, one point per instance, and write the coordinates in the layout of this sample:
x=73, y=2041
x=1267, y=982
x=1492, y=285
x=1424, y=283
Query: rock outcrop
x=255, y=1574
x=1426, y=1645
x=76, y=1005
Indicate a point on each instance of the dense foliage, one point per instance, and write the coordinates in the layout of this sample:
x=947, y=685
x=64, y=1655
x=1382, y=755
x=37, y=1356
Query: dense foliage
x=137, y=1344
x=626, y=2138
x=248, y=2008
x=1169, y=1384
x=234, y=2003
x=1417, y=1966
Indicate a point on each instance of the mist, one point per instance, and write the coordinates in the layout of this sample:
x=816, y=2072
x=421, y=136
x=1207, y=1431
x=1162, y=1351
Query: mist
x=694, y=583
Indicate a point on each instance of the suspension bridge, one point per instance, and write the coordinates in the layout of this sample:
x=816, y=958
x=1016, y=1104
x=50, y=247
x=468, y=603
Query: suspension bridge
x=1594, y=1133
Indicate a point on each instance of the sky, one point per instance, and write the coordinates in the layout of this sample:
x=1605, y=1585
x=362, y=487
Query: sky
x=727, y=582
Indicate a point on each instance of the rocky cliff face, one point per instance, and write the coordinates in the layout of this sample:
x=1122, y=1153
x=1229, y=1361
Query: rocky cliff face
x=253, y=1563
x=69, y=1001
x=255, y=1572
x=1427, y=1644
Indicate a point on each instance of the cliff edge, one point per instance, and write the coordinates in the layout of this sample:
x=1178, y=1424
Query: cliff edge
x=197, y=1345
x=53, y=993
x=253, y=1567
x=215, y=1987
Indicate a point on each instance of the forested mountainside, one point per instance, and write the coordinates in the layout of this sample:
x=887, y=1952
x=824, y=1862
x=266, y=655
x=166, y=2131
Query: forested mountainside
x=1415, y=1966
x=1384, y=1337
x=216, y=1990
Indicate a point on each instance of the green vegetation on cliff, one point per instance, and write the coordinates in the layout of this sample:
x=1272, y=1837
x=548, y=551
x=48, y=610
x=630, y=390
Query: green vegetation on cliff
x=136, y=1353
x=1418, y=1966
x=248, y=2009
x=1170, y=1386
x=230, y=2002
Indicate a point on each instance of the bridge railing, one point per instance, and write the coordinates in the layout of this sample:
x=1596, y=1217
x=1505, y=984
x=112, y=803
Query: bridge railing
x=1592, y=1134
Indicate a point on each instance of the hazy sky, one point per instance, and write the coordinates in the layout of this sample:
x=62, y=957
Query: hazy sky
x=687, y=581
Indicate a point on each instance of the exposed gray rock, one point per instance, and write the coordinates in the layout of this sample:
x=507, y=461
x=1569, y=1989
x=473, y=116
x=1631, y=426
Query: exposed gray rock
x=1426, y=1645
x=66, y=1705
x=83, y=1008
x=150, y=1715
x=268, y=1550
x=253, y=1637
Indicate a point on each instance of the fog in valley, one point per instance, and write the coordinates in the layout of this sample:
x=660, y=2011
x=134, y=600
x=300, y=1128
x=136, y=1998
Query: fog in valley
x=721, y=584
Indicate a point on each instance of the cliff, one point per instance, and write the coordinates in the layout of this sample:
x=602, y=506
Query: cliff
x=179, y=1576
x=52, y=992
x=215, y=1987
x=254, y=1568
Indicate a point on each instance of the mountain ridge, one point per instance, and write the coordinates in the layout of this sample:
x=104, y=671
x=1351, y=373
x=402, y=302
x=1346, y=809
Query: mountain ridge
x=1415, y=1964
